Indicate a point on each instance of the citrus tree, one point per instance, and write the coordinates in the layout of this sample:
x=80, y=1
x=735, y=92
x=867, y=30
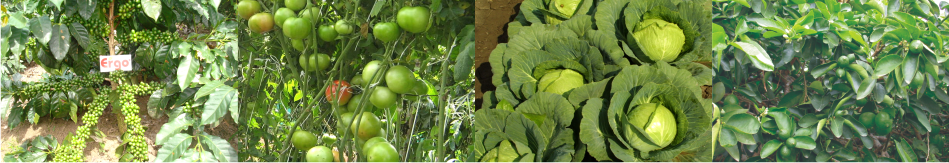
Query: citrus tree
x=184, y=57
x=355, y=80
x=816, y=80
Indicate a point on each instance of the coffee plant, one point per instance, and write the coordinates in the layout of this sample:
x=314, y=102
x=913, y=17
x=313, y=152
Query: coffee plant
x=356, y=80
x=184, y=59
x=831, y=80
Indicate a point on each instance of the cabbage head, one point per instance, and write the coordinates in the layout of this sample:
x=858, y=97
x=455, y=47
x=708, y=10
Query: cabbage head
x=658, y=39
x=560, y=81
x=652, y=113
x=658, y=123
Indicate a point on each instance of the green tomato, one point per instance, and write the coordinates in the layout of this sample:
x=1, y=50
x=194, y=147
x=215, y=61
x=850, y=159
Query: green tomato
x=323, y=62
x=357, y=80
x=319, y=154
x=260, y=22
x=295, y=5
x=282, y=15
x=414, y=19
x=346, y=119
x=297, y=44
x=866, y=118
x=658, y=39
x=297, y=28
x=883, y=123
x=373, y=141
x=342, y=27
x=304, y=62
x=657, y=122
x=400, y=79
x=367, y=126
x=328, y=138
x=312, y=14
x=370, y=71
x=382, y=152
x=386, y=32
x=382, y=97
x=303, y=140
x=327, y=33
x=354, y=106
x=314, y=62
x=247, y=8
x=560, y=81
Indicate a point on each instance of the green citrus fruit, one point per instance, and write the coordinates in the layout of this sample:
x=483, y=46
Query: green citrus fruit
x=731, y=99
x=867, y=119
x=883, y=123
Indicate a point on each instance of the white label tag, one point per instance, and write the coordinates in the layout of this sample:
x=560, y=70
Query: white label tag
x=115, y=62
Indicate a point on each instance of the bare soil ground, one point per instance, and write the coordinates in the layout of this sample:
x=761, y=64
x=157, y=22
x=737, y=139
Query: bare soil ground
x=98, y=149
x=491, y=19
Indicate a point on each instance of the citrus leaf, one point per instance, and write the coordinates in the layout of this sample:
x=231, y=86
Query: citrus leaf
x=905, y=152
x=768, y=148
x=744, y=123
x=886, y=65
x=759, y=57
x=805, y=142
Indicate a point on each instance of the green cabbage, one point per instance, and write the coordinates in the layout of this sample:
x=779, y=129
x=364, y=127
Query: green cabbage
x=657, y=121
x=658, y=39
x=560, y=81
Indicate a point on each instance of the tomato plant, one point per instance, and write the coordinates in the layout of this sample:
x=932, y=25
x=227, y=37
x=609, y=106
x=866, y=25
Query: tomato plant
x=294, y=80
